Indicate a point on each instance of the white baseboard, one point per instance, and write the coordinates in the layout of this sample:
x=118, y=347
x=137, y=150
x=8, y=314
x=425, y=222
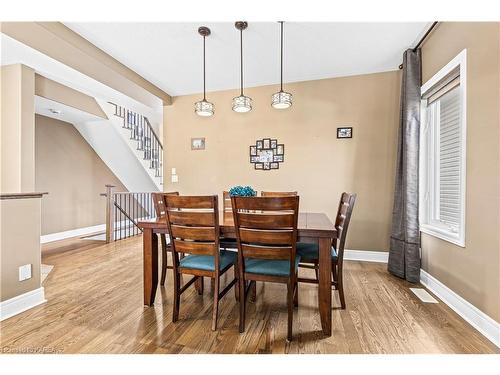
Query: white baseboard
x=487, y=326
x=366, y=256
x=72, y=233
x=23, y=302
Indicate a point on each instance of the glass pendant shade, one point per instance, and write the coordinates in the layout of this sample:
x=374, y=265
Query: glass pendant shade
x=204, y=108
x=281, y=100
x=242, y=104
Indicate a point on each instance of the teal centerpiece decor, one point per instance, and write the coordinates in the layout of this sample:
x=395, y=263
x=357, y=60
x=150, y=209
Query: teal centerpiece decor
x=242, y=191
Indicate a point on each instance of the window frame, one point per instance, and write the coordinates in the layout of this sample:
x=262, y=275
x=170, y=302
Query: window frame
x=426, y=224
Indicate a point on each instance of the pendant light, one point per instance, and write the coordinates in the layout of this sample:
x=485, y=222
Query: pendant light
x=241, y=103
x=281, y=99
x=203, y=107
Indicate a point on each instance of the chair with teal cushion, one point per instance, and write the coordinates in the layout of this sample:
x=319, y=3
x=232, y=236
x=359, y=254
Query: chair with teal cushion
x=309, y=252
x=266, y=232
x=193, y=225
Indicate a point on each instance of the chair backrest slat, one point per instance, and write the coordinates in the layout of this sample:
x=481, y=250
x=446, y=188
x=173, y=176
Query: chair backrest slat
x=202, y=233
x=193, y=225
x=192, y=218
x=264, y=221
x=266, y=252
x=266, y=236
x=257, y=236
x=196, y=248
x=278, y=193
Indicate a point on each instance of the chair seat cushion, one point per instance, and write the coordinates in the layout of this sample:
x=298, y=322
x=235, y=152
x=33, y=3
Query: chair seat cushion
x=311, y=251
x=207, y=262
x=269, y=267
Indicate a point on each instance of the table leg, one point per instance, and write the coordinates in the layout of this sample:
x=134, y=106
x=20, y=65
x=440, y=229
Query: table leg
x=325, y=285
x=150, y=262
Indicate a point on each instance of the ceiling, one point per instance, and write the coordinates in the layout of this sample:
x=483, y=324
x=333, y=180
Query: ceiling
x=170, y=54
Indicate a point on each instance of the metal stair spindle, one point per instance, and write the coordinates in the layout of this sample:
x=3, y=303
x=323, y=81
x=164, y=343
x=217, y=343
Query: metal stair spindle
x=142, y=132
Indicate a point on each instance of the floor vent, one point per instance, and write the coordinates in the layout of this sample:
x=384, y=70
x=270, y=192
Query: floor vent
x=423, y=295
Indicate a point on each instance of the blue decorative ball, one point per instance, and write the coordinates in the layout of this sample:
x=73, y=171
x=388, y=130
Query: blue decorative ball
x=242, y=191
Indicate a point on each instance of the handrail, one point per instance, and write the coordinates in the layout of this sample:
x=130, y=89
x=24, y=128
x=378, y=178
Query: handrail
x=145, y=118
x=154, y=133
x=142, y=131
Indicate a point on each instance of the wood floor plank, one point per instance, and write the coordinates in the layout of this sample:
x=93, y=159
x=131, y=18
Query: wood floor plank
x=95, y=305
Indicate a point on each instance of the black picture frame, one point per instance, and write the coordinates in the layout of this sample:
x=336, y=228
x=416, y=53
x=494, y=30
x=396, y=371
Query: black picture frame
x=267, y=154
x=344, y=132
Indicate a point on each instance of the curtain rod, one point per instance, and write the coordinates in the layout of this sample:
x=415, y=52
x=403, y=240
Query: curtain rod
x=422, y=39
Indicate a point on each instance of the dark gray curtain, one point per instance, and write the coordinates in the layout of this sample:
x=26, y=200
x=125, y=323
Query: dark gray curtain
x=404, y=253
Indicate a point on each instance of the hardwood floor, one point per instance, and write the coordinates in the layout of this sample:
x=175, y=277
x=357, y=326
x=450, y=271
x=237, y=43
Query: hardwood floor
x=95, y=305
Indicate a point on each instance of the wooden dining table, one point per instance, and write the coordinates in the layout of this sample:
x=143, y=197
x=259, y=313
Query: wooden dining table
x=312, y=227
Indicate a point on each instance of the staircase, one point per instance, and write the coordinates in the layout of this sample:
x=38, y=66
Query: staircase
x=146, y=139
x=127, y=143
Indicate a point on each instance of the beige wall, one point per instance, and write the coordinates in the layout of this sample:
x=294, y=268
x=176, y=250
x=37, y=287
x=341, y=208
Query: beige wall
x=52, y=90
x=19, y=246
x=73, y=174
x=17, y=129
x=474, y=271
x=317, y=165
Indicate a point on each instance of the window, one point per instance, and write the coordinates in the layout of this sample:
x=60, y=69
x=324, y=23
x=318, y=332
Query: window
x=442, y=153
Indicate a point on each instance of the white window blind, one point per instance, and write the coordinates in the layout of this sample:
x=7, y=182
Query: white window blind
x=442, y=156
x=449, y=160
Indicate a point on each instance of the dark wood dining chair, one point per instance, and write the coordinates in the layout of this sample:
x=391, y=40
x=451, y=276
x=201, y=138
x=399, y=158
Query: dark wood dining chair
x=309, y=252
x=161, y=213
x=266, y=232
x=193, y=224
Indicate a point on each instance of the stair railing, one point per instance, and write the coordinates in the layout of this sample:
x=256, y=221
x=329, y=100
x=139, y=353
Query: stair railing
x=147, y=140
x=124, y=210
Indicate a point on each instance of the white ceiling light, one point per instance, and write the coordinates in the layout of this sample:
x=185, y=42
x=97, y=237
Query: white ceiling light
x=281, y=99
x=241, y=103
x=203, y=107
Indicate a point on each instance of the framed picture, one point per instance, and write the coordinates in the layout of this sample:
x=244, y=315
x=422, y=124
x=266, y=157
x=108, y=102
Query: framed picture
x=344, y=132
x=280, y=149
x=197, y=143
x=267, y=154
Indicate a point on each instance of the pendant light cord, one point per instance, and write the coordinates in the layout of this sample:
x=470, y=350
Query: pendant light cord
x=281, y=86
x=204, y=88
x=241, y=62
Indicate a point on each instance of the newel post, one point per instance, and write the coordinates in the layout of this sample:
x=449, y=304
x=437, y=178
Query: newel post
x=110, y=214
